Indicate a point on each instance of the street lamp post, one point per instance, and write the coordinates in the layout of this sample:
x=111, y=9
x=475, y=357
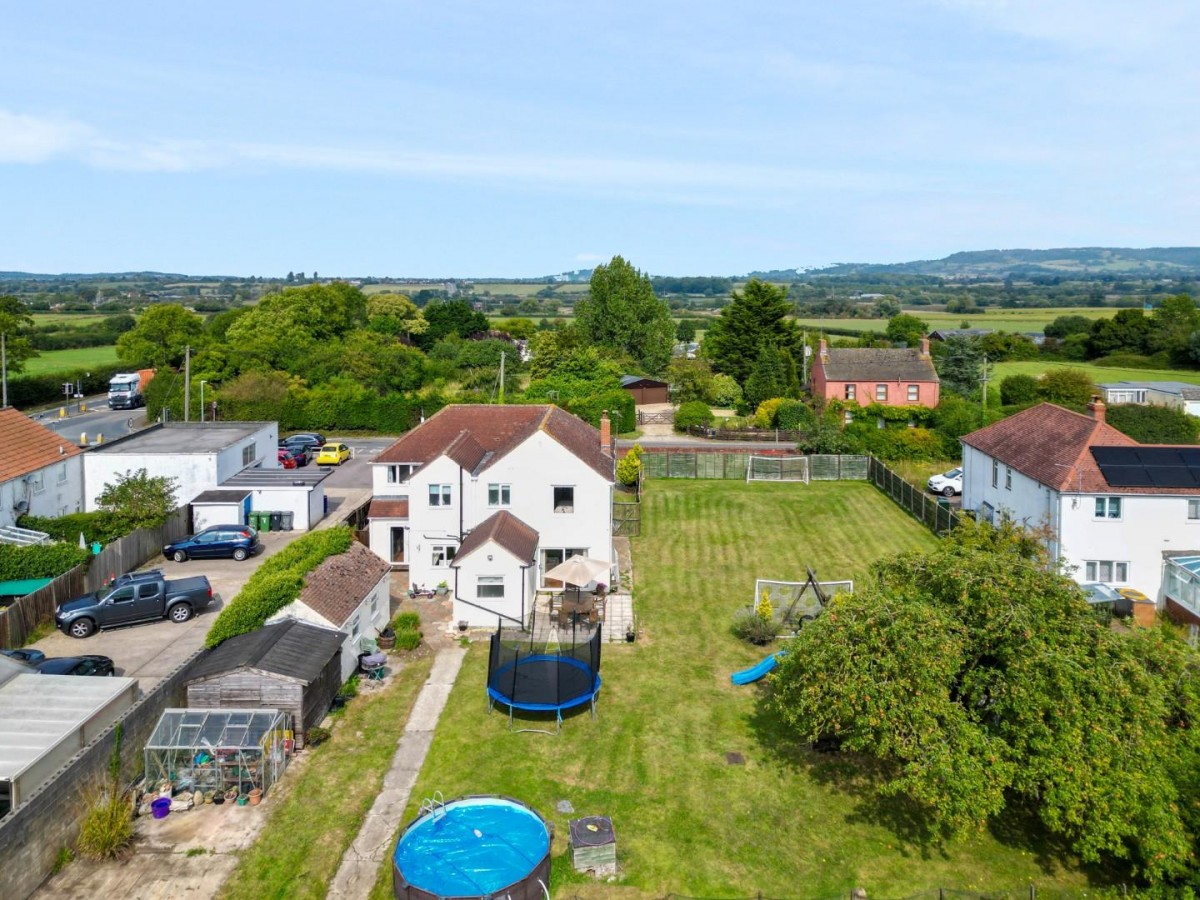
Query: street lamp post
x=203, y=382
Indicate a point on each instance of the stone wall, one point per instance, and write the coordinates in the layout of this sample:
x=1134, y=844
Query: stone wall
x=33, y=835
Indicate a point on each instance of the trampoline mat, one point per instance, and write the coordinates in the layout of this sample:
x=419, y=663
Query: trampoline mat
x=544, y=682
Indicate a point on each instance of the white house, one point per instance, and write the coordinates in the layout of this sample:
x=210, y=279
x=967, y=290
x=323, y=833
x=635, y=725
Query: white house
x=347, y=593
x=495, y=571
x=202, y=456
x=1112, y=509
x=1176, y=394
x=42, y=473
x=550, y=471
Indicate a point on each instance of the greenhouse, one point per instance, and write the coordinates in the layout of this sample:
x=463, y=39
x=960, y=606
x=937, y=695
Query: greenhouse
x=219, y=750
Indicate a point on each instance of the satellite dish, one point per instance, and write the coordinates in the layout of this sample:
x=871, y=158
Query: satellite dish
x=22, y=506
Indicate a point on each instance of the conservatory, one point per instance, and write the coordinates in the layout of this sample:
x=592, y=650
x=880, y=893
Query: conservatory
x=219, y=750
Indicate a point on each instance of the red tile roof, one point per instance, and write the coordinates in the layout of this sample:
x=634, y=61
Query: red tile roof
x=31, y=446
x=506, y=530
x=396, y=508
x=1050, y=444
x=336, y=587
x=495, y=431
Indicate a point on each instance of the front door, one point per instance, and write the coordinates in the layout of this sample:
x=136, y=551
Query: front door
x=397, y=544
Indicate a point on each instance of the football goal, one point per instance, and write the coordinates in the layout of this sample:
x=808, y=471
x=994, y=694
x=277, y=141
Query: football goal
x=777, y=468
x=795, y=602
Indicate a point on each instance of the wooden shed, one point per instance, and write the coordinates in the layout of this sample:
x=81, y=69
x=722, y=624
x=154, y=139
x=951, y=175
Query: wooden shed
x=290, y=666
x=646, y=390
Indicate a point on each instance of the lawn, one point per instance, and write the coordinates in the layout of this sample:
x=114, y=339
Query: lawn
x=1018, y=320
x=319, y=813
x=1098, y=374
x=69, y=360
x=786, y=822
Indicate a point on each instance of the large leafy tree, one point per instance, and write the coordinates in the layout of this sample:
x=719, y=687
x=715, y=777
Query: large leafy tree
x=1172, y=326
x=285, y=330
x=622, y=313
x=959, y=363
x=447, y=317
x=755, y=315
x=980, y=680
x=1126, y=332
x=395, y=314
x=14, y=320
x=136, y=499
x=906, y=328
x=161, y=336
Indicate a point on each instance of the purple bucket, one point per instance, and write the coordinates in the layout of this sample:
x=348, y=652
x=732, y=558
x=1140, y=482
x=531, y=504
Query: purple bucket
x=160, y=807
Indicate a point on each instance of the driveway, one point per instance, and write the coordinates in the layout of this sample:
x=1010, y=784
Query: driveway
x=150, y=652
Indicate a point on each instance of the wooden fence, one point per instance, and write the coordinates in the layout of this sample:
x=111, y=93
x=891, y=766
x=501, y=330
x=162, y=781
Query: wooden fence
x=936, y=516
x=125, y=554
x=627, y=519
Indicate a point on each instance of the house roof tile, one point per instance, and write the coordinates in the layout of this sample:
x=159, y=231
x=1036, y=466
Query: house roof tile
x=496, y=430
x=39, y=446
x=875, y=364
x=506, y=530
x=336, y=587
x=391, y=508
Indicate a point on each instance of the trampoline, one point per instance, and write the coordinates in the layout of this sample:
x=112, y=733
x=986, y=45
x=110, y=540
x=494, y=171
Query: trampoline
x=525, y=673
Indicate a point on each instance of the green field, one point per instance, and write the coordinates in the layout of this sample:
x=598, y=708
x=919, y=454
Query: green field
x=68, y=360
x=1015, y=320
x=787, y=822
x=1098, y=374
x=67, y=318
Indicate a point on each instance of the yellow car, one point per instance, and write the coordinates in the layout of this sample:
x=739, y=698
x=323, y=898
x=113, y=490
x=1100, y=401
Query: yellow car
x=333, y=455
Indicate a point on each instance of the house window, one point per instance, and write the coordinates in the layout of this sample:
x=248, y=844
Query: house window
x=439, y=495
x=848, y=416
x=248, y=454
x=399, y=474
x=398, y=544
x=1108, y=507
x=62, y=473
x=564, y=499
x=995, y=473
x=850, y=389
x=914, y=393
x=1194, y=508
x=1007, y=478
x=1106, y=570
x=490, y=587
x=374, y=605
x=553, y=556
x=38, y=482
x=881, y=393
x=442, y=554
x=355, y=626
x=499, y=494
x=987, y=512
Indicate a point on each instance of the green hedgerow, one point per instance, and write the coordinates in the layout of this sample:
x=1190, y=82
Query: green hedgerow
x=694, y=412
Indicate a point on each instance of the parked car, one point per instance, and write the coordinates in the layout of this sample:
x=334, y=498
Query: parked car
x=26, y=655
x=301, y=452
x=76, y=665
x=139, y=599
x=286, y=460
x=216, y=541
x=333, y=455
x=948, y=483
x=309, y=439
x=1105, y=596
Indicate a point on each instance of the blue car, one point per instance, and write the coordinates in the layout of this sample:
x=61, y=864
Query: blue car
x=224, y=541
x=25, y=655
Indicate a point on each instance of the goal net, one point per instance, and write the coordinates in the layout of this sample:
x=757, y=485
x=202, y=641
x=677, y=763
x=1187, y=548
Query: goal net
x=777, y=468
x=794, y=602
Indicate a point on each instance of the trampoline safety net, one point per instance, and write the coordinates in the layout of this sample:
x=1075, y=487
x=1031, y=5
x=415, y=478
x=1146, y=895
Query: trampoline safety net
x=530, y=673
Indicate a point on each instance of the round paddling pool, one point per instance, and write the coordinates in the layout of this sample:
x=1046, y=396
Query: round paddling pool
x=473, y=847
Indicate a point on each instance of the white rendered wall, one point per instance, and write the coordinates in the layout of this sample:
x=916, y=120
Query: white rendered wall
x=53, y=490
x=465, y=587
x=196, y=472
x=287, y=498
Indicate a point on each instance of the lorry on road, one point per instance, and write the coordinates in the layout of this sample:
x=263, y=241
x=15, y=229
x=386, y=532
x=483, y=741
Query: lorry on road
x=128, y=390
x=138, y=597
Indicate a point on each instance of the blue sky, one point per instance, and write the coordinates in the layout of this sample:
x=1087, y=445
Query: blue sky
x=528, y=138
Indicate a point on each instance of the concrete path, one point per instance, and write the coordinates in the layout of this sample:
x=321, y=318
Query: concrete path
x=360, y=866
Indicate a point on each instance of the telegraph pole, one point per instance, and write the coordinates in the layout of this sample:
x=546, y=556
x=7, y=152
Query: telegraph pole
x=187, y=383
x=983, y=400
x=4, y=367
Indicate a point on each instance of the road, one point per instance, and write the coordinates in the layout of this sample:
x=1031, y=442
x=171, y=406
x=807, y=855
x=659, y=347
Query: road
x=99, y=422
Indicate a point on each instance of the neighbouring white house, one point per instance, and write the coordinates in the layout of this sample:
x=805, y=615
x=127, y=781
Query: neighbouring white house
x=42, y=474
x=1112, y=509
x=202, y=456
x=348, y=593
x=549, y=471
x=1176, y=394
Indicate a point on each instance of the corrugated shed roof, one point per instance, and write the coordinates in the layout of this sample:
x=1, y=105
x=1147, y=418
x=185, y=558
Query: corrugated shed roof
x=498, y=430
x=641, y=381
x=396, y=508
x=292, y=649
x=336, y=587
x=40, y=447
x=506, y=530
x=875, y=364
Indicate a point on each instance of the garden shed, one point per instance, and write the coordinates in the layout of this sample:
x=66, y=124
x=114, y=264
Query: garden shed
x=219, y=749
x=291, y=666
x=220, y=507
x=646, y=390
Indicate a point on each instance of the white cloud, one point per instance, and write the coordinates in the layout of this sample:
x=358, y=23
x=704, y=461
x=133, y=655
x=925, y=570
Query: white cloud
x=30, y=139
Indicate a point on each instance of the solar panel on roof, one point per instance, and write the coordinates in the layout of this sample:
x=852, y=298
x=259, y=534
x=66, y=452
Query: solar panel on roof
x=1190, y=456
x=1127, y=476
x=1164, y=467
x=1172, y=476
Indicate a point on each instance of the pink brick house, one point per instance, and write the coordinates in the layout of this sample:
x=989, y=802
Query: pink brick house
x=868, y=375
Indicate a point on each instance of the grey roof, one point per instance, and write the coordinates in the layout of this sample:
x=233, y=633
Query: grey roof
x=628, y=380
x=256, y=478
x=291, y=648
x=872, y=364
x=221, y=497
x=183, y=437
x=942, y=333
x=1163, y=387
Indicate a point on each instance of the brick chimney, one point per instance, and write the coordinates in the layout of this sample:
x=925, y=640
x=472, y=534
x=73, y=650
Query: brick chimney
x=925, y=345
x=1096, y=407
x=823, y=350
x=605, y=433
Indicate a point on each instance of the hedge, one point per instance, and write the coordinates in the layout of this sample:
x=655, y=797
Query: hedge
x=99, y=526
x=40, y=560
x=622, y=411
x=38, y=390
x=276, y=583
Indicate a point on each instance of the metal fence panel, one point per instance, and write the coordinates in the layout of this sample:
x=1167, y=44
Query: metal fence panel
x=681, y=465
x=710, y=465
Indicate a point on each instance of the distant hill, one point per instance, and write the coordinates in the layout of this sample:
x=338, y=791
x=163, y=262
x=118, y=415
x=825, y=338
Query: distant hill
x=1151, y=262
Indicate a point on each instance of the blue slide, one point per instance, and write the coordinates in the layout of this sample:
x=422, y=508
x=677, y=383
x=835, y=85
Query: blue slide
x=757, y=671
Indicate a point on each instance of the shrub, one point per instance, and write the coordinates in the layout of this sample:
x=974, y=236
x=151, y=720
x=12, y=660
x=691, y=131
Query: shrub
x=763, y=607
x=764, y=416
x=406, y=621
x=792, y=415
x=276, y=583
x=408, y=639
x=622, y=411
x=726, y=392
x=316, y=736
x=694, y=412
x=1154, y=424
x=99, y=526
x=629, y=466
x=1070, y=387
x=1018, y=389
x=106, y=828
x=40, y=560
x=750, y=626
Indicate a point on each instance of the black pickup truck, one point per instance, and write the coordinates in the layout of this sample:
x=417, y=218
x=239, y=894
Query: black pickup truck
x=137, y=597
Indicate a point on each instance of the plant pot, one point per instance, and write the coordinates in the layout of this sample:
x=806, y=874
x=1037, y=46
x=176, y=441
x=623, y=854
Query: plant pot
x=218, y=799
x=231, y=795
x=463, y=625
x=255, y=796
x=386, y=641
x=441, y=591
x=630, y=636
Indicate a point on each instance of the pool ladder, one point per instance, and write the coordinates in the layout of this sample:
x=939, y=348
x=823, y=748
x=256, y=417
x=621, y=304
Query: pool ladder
x=435, y=804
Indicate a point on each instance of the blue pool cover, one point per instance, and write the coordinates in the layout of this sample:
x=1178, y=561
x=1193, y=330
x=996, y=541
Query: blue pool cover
x=472, y=847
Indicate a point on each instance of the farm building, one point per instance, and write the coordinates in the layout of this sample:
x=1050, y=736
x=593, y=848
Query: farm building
x=646, y=390
x=291, y=666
